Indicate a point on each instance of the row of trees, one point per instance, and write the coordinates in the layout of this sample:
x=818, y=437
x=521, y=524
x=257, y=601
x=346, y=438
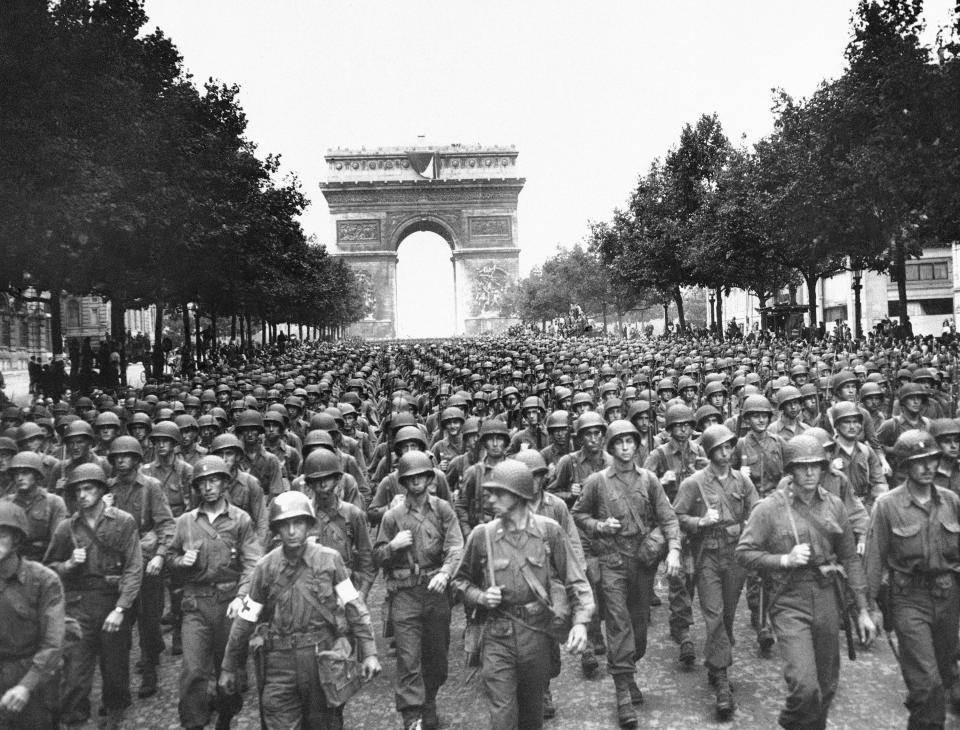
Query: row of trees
x=859, y=176
x=122, y=178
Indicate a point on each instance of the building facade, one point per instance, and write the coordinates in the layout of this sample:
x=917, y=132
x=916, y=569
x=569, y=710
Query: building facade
x=933, y=296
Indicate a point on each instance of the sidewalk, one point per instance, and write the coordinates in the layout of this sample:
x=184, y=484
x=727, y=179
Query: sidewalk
x=17, y=383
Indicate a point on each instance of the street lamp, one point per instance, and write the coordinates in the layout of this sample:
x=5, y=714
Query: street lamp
x=712, y=310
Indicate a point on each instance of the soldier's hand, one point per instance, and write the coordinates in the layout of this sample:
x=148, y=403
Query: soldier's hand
x=108, y=499
x=745, y=470
x=189, y=558
x=371, y=668
x=60, y=485
x=15, y=699
x=610, y=526
x=403, y=539
x=887, y=469
x=492, y=597
x=674, y=565
x=701, y=462
x=438, y=583
x=113, y=621
x=397, y=501
x=227, y=682
x=711, y=517
x=577, y=641
x=866, y=628
x=444, y=463
x=79, y=556
x=837, y=464
x=155, y=565
x=799, y=556
x=861, y=546
x=575, y=489
x=234, y=608
x=669, y=477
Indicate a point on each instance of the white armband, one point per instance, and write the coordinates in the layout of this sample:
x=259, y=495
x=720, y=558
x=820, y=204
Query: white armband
x=249, y=609
x=346, y=591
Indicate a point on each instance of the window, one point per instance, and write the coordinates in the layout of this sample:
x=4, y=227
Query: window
x=832, y=314
x=6, y=332
x=925, y=271
x=920, y=307
x=73, y=313
x=24, y=334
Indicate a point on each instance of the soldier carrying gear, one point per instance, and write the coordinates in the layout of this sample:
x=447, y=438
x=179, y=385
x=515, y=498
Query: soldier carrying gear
x=213, y=553
x=418, y=546
x=787, y=537
x=96, y=553
x=630, y=524
x=310, y=615
x=44, y=511
x=509, y=581
x=712, y=505
x=31, y=642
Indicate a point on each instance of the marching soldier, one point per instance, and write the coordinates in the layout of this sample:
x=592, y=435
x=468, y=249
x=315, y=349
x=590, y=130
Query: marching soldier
x=255, y=459
x=629, y=522
x=310, y=612
x=418, y=547
x=96, y=553
x=44, y=511
x=712, y=505
x=505, y=571
x=31, y=642
x=243, y=490
x=802, y=538
x=913, y=560
x=213, y=551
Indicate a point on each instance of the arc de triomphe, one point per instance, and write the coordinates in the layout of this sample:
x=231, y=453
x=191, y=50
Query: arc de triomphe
x=466, y=194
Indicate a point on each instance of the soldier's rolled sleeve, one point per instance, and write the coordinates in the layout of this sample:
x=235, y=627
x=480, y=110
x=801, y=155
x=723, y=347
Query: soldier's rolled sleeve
x=241, y=630
x=685, y=504
x=52, y=609
x=848, y=558
x=654, y=463
x=750, y=551
x=379, y=503
x=363, y=569
x=358, y=616
x=585, y=507
x=258, y=513
x=59, y=550
x=383, y=555
x=452, y=538
x=564, y=475
x=132, y=575
x=574, y=576
x=666, y=517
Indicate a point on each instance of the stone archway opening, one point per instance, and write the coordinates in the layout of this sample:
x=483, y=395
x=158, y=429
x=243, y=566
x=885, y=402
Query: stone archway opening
x=425, y=286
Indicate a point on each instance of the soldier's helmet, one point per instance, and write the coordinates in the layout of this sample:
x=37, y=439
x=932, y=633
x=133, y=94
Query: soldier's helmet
x=494, y=427
x=804, y=449
x=249, y=419
x=678, y=414
x=78, y=428
x=413, y=463
x=13, y=517
x=512, y=476
x=166, y=430
x=845, y=409
x=912, y=389
x=787, y=394
x=225, y=441
x=590, y=419
x=715, y=436
x=125, y=445
x=757, y=404
x=321, y=463
x=410, y=433
x=87, y=473
x=27, y=460
x=288, y=505
x=558, y=419
x=940, y=428
x=533, y=459
x=619, y=428
x=914, y=444
x=533, y=402
x=451, y=414
x=210, y=465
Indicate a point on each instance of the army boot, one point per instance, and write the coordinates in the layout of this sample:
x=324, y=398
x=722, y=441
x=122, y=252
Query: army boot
x=636, y=696
x=176, y=642
x=148, y=682
x=765, y=639
x=626, y=716
x=549, y=709
x=688, y=654
x=724, y=694
x=428, y=716
x=589, y=664
x=411, y=718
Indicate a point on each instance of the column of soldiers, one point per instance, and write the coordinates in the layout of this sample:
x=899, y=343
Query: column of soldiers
x=547, y=485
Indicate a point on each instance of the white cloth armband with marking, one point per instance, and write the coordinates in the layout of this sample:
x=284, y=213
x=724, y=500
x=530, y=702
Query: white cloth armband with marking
x=249, y=610
x=346, y=591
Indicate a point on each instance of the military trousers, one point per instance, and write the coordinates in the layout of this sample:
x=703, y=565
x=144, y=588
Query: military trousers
x=680, y=598
x=149, y=610
x=719, y=585
x=926, y=621
x=206, y=629
x=291, y=697
x=111, y=650
x=516, y=667
x=627, y=586
x=806, y=621
x=421, y=625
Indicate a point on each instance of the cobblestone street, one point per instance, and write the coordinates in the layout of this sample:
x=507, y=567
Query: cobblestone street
x=871, y=691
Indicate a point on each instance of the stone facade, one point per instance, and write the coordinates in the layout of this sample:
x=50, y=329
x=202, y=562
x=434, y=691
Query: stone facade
x=467, y=195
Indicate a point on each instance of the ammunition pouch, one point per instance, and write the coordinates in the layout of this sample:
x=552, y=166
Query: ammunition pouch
x=338, y=672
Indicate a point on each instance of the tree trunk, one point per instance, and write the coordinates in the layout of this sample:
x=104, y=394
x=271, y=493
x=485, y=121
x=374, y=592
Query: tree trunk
x=857, y=306
x=56, y=324
x=763, y=315
x=678, y=299
x=263, y=333
x=158, y=353
x=812, y=300
x=243, y=332
x=118, y=333
x=186, y=354
x=666, y=317
x=249, y=331
x=900, y=266
x=619, y=322
x=718, y=315
x=300, y=331
x=233, y=327
x=196, y=326
x=213, y=329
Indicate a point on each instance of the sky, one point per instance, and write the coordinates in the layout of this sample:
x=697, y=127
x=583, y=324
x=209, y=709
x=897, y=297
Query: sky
x=589, y=93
